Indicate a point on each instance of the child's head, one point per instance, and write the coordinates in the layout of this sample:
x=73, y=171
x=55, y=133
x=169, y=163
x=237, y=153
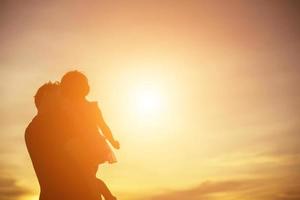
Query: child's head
x=47, y=97
x=74, y=85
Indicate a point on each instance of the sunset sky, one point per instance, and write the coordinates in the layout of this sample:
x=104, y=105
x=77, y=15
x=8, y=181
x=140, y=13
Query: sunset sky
x=203, y=95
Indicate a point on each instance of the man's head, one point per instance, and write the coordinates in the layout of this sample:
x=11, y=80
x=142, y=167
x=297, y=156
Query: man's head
x=47, y=97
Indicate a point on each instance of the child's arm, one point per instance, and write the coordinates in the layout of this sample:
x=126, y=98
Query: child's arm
x=106, y=130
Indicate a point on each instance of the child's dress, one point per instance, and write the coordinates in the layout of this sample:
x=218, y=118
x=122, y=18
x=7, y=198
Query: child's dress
x=89, y=145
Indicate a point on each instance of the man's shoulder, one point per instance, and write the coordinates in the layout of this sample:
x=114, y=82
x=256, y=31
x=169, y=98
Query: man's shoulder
x=32, y=127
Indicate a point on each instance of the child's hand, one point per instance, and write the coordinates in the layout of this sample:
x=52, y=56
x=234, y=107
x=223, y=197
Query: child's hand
x=115, y=144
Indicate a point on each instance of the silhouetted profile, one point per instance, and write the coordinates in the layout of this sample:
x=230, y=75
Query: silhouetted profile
x=64, y=142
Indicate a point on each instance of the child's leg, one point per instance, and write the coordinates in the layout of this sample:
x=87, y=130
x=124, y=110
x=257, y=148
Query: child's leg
x=105, y=191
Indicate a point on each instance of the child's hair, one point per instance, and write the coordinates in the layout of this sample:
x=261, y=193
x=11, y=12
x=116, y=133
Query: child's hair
x=74, y=84
x=45, y=94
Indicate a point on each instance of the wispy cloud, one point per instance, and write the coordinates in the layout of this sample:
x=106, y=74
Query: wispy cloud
x=205, y=190
x=259, y=189
x=264, y=176
x=10, y=190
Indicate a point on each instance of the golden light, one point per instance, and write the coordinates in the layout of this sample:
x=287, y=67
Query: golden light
x=148, y=101
x=29, y=197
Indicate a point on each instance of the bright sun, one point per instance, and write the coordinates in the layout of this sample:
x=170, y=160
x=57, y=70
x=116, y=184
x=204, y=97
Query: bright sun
x=148, y=101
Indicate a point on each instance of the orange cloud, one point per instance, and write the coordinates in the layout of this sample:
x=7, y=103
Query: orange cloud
x=9, y=190
x=248, y=189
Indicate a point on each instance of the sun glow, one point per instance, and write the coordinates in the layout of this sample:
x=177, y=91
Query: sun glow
x=148, y=101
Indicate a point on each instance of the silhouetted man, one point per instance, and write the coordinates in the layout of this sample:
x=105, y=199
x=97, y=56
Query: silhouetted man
x=58, y=174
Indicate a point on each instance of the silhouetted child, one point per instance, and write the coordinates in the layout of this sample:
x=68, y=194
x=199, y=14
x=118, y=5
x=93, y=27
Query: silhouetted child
x=90, y=145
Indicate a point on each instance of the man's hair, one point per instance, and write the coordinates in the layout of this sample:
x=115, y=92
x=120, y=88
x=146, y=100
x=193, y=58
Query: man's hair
x=74, y=84
x=43, y=93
